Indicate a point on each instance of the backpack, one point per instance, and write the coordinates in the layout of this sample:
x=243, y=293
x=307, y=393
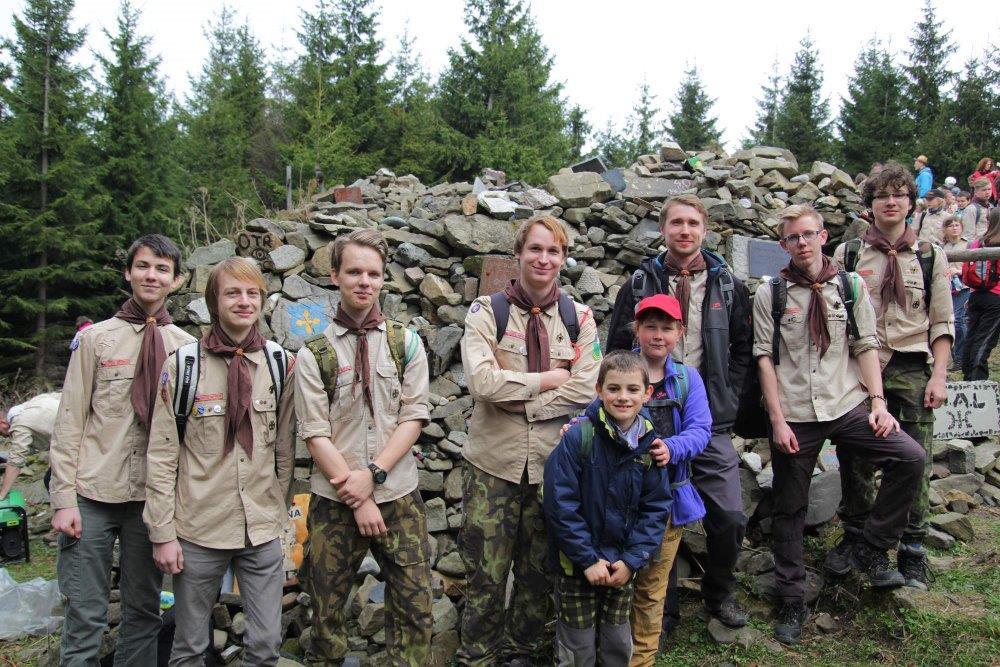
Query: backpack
x=329, y=365
x=641, y=288
x=751, y=416
x=567, y=313
x=188, y=359
x=926, y=255
x=982, y=275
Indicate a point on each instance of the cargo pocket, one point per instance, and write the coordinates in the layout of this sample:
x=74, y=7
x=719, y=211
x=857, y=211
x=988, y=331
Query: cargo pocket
x=389, y=389
x=112, y=394
x=265, y=411
x=68, y=566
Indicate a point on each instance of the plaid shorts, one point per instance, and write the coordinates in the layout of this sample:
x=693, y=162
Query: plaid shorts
x=580, y=605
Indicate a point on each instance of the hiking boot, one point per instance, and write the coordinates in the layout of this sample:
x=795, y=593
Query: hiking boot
x=729, y=612
x=912, y=564
x=874, y=564
x=838, y=559
x=791, y=617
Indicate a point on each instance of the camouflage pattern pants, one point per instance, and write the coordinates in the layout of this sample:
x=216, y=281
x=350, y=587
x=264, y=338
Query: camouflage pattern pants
x=904, y=381
x=503, y=525
x=592, y=623
x=333, y=555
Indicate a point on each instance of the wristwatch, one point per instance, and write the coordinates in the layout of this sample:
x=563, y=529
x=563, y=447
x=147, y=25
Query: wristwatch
x=378, y=474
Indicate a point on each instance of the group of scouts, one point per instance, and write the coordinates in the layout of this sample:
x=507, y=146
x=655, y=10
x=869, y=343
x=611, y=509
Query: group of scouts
x=183, y=450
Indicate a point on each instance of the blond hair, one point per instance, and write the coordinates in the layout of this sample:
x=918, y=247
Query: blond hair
x=796, y=211
x=368, y=238
x=243, y=269
x=550, y=223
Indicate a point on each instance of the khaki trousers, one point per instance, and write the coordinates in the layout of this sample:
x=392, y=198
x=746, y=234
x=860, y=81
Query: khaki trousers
x=647, y=602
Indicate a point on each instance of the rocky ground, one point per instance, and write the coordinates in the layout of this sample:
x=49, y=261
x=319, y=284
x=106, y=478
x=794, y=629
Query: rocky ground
x=443, y=240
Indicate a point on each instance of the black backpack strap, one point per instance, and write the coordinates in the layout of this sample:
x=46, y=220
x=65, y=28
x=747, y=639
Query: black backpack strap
x=852, y=250
x=779, y=293
x=849, y=297
x=728, y=286
x=567, y=313
x=640, y=283
x=187, y=359
x=501, y=312
x=925, y=256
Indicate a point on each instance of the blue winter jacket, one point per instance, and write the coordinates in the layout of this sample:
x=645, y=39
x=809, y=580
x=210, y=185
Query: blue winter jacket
x=691, y=429
x=613, y=504
x=925, y=181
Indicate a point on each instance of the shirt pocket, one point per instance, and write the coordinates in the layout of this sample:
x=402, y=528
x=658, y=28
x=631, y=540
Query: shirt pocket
x=512, y=354
x=209, y=433
x=389, y=388
x=914, y=284
x=342, y=405
x=562, y=356
x=793, y=330
x=113, y=394
x=265, y=411
x=836, y=324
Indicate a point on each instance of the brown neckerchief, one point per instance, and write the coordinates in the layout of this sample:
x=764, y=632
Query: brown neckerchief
x=152, y=354
x=892, y=282
x=362, y=370
x=239, y=383
x=684, y=273
x=536, y=337
x=818, y=331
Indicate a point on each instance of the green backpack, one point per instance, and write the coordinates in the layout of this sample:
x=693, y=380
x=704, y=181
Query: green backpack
x=329, y=365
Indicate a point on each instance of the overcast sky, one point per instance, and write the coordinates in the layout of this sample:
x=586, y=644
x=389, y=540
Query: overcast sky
x=603, y=50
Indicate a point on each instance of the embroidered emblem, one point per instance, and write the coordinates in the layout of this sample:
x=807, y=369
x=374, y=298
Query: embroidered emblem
x=74, y=344
x=514, y=334
x=201, y=409
x=475, y=308
x=217, y=409
x=163, y=395
x=164, y=377
x=111, y=363
x=793, y=310
x=716, y=305
x=595, y=351
x=866, y=272
x=208, y=397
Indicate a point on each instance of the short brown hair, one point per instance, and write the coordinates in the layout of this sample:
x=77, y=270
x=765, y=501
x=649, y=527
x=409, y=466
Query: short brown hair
x=369, y=238
x=241, y=268
x=796, y=211
x=893, y=175
x=684, y=200
x=623, y=361
x=547, y=221
x=981, y=183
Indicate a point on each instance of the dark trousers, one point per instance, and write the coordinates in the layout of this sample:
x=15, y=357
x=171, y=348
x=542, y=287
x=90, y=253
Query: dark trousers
x=716, y=474
x=981, y=338
x=960, y=304
x=899, y=457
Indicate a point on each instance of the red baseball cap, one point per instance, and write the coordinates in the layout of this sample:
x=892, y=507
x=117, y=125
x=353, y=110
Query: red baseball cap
x=662, y=302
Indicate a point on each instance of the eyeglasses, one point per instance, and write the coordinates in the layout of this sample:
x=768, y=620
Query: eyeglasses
x=898, y=196
x=807, y=236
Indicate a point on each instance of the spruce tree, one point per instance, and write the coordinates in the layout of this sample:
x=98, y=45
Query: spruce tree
x=873, y=124
x=498, y=88
x=226, y=148
x=579, y=130
x=927, y=71
x=966, y=127
x=640, y=134
x=690, y=125
x=763, y=133
x=51, y=271
x=802, y=124
x=134, y=137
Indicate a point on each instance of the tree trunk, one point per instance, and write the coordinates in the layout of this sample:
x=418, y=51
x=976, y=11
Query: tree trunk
x=42, y=292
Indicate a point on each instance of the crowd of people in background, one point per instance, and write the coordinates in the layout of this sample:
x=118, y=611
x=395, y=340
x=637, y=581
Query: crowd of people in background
x=580, y=468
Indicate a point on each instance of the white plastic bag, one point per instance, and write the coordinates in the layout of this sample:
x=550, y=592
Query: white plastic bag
x=26, y=608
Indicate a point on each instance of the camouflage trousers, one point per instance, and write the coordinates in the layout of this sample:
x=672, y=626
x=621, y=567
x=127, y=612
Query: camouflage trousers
x=904, y=381
x=503, y=525
x=333, y=555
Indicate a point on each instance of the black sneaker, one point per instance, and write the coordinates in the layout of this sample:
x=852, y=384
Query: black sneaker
x=912, y=564
x=874, y=564
x=729, y=612
x=791, y=617
x=838, y=559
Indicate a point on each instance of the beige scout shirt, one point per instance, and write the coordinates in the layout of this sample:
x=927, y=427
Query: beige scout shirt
x=504, y=443
x=910, y=328
x=955, y=246
x=813, y=388
x=974, y=220
x=688, y=349
x=31, y=427
x=98, y=448
x=347, y=421
x=929, y=226
x=193, y=490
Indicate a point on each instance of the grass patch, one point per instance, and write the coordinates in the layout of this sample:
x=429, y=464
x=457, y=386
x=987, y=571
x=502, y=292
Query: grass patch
x=42, y=564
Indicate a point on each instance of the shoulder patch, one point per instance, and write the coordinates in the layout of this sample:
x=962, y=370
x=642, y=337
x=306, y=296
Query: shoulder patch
x=596, y=350
x=164, y=378
x=476, y=307
x=75, y=343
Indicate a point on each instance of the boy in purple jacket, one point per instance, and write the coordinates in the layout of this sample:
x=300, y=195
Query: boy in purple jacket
x=681, y=417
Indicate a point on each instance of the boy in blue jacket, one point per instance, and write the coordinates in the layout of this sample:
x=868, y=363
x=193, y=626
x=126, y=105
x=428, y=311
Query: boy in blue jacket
x=681, y=416
x=606, y=506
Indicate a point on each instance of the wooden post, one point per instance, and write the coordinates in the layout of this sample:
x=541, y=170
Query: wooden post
x=973, y=255
x=288, y=187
